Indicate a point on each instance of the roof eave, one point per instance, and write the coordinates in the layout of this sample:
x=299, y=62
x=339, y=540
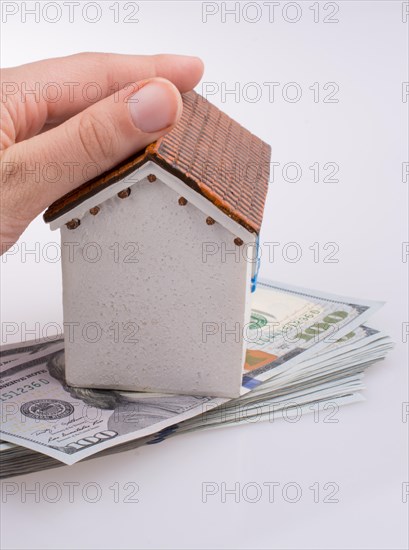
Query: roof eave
x=93, y=187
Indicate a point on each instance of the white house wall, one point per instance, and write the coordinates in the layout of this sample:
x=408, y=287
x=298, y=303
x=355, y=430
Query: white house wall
x=148, y=269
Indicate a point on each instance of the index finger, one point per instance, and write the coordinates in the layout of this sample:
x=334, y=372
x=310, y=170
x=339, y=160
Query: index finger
x=59, y=88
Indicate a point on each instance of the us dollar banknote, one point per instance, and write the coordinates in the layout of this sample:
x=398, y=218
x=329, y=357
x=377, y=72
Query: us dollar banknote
x=288, y=327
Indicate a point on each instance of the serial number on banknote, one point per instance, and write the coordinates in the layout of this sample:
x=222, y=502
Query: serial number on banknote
x=23, y=389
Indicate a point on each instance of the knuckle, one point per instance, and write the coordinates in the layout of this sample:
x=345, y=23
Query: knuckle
x=97, y=138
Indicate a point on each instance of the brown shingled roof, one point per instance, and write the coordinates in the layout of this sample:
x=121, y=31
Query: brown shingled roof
x=210, y=152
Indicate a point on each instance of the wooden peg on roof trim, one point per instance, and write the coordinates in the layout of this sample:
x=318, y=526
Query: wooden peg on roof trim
x=124, y=193
x=73, y=224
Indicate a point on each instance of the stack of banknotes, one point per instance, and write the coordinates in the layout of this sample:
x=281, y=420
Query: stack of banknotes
x=306, y=351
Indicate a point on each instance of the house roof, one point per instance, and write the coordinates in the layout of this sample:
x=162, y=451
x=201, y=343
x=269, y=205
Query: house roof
x=207, y=150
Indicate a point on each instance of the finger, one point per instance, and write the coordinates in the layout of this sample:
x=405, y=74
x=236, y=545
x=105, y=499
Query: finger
x=53, y=90
x=47, y=166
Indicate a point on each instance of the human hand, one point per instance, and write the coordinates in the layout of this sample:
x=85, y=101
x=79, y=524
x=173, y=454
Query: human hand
x=50, y=136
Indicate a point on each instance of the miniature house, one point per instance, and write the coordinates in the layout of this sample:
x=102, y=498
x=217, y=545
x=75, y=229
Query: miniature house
x=159, y=258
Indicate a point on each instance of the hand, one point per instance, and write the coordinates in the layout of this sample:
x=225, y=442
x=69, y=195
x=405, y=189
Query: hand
x=66, y=120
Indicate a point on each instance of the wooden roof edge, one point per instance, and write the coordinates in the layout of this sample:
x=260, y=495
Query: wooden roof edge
x=204, y=190
x=94, y=186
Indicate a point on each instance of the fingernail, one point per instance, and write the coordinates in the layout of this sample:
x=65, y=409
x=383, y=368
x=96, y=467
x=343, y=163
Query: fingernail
x=154, y=107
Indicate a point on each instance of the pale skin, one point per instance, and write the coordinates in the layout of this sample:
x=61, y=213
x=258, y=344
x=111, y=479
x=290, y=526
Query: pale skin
x=46, y=140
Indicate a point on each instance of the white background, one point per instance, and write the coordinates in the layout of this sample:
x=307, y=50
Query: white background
x=364, y=213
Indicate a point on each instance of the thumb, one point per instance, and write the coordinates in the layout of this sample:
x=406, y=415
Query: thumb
x=38, y=171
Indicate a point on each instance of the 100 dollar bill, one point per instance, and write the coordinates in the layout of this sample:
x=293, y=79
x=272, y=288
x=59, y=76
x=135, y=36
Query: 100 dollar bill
x=41, y=412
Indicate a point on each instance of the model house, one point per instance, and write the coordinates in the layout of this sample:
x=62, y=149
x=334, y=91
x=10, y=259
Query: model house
x=159, y=258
